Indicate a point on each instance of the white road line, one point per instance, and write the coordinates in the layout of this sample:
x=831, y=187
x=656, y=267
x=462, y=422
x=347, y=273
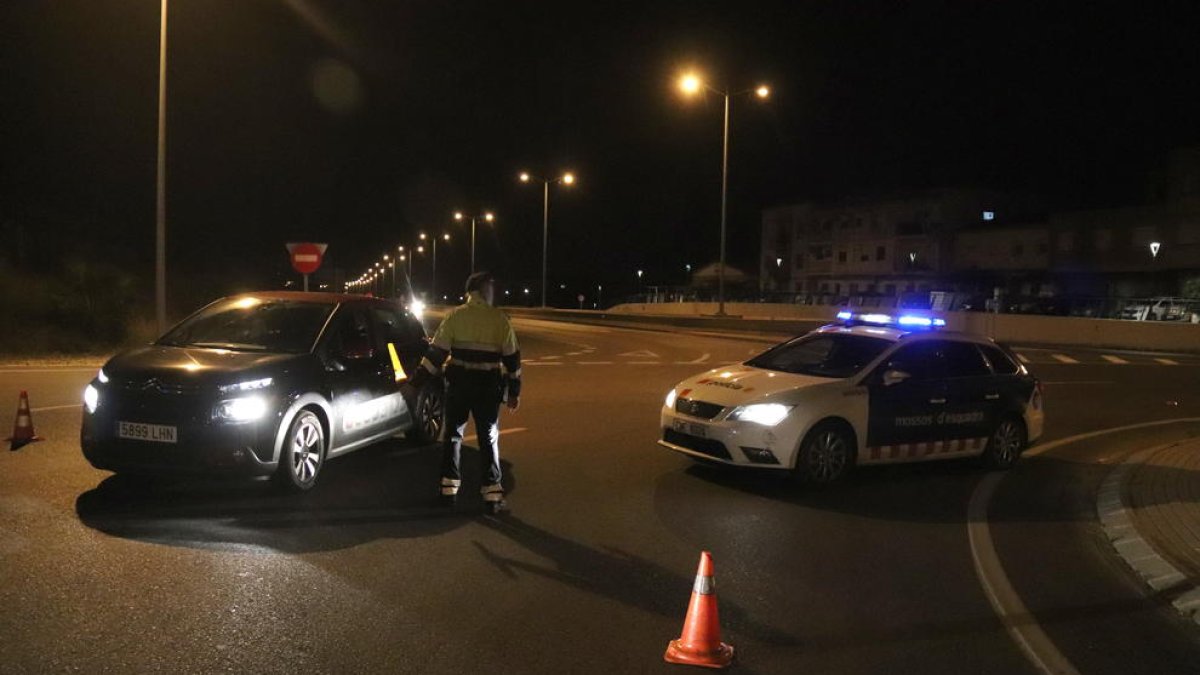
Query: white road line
x=56, y=407
x=1113, y=359
x=575, y=353
x=1018, y=621
x=541, y=363
x=1167, y=362
x=548, y=358
x=92, y=369
x=1063, y=358
x=643, y=363
x=1021, y=625
x=643, y=353
x=514, y=430
x=702, y=359
x=595, y=363
x=1023, y=358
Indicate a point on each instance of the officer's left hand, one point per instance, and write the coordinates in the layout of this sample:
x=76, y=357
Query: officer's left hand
x=514, y=403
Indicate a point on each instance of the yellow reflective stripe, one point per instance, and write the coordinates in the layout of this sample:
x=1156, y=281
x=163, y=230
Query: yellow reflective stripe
x=396, y=367
x=473, y=365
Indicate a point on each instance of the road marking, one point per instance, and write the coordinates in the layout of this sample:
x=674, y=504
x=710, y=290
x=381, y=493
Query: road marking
x=595, y=363
x=1020, y=624
x=56, y=407
x=514, y=430
x=1061, y=382
x=1167, y=362
x=1113, y=359
x=542, y=363
x=702, y=359
x=551, y=357
x=92, y=369
x=1063, y=358
x=1022, y=358
x=643, y=363
x=644, y=353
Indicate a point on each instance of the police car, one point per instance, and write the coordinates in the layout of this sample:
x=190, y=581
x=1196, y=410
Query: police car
x=872, y=389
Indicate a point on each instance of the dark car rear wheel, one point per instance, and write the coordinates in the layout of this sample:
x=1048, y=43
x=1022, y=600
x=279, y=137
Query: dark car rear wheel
x=429, y=412
x=303, y=453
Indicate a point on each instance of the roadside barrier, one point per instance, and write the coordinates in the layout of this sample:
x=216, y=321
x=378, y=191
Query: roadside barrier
x=700, y=642
x=22, y=434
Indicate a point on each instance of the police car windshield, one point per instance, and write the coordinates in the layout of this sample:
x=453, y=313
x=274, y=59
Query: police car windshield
x=250, y=324
x=822, y=355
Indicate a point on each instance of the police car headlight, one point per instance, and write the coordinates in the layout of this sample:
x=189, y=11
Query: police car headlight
x=91, y=398
x=766, y=414
x=245, y=409
x=670, y=402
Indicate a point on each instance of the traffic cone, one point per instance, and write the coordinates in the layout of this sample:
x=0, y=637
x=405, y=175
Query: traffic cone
x=23, y=429
x=700, y=643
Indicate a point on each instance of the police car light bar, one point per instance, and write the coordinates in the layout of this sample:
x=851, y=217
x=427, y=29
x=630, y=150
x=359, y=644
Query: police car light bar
x=904, y=320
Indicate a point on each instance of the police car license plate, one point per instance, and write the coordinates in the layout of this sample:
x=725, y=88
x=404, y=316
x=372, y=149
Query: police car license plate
x=698, y=430
x=157, y=433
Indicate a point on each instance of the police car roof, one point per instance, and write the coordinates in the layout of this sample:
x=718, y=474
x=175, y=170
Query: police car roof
x=897, y=334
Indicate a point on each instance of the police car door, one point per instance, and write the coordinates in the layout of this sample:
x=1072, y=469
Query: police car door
x=907, y=391
x=972, y=395
x=360, y=382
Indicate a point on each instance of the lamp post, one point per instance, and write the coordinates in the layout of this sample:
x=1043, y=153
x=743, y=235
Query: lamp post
x=433, y=281
x=487, y=216
x=691, y=84
x=160, y=182
x=567, y=179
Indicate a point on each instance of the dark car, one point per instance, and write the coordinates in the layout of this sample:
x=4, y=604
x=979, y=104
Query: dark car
x=263, y=384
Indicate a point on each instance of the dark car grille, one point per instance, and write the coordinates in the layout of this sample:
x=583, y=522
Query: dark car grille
x=705, y=446
x=151, y=386
x=701, y=409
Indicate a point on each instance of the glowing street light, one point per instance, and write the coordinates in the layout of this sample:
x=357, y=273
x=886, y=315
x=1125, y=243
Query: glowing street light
x=566, y=179
x=487, y=217
x=691, y=84
x=433, y=282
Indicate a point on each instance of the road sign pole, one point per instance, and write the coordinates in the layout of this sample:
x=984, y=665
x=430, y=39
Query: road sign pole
x=305, y=283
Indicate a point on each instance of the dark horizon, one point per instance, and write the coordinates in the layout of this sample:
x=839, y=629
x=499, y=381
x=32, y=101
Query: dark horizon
x=355, y=123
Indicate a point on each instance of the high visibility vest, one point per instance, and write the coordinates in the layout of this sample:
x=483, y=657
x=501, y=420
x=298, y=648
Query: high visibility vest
x=476, y=336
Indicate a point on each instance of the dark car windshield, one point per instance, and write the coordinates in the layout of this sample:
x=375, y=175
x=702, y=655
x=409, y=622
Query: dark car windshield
x=822, y=354
x=252, y=324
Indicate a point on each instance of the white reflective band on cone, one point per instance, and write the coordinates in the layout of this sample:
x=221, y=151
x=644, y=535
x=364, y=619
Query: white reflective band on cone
x=704, y=585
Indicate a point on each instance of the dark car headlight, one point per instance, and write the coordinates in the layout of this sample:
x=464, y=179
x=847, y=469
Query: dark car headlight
x=241, y=409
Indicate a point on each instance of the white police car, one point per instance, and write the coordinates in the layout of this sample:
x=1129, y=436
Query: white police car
x=873, y=389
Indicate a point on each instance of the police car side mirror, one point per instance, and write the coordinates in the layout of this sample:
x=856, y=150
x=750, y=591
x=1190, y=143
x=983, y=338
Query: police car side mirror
x=891, y=376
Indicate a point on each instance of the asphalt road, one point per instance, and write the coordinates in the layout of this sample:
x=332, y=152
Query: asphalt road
x=592, y=570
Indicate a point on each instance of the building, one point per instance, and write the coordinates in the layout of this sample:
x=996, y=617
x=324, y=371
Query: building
x=882, y=247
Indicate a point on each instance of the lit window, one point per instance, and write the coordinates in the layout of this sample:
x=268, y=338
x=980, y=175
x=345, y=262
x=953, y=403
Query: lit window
x=989, y=215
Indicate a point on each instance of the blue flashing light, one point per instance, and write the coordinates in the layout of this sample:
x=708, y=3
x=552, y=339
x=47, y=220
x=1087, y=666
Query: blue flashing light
x=911, y=321
x=875, y=318
x=939, y=323
x=921, y=321
x=845, y=316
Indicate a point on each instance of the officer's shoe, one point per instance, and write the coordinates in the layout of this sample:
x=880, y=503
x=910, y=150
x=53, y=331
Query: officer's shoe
x=493, y=499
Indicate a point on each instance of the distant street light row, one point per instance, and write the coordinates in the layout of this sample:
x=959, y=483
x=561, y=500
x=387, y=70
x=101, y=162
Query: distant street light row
x=374, y=273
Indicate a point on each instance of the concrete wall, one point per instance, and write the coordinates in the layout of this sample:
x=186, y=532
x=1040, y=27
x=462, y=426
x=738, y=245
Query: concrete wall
x=1009, y=328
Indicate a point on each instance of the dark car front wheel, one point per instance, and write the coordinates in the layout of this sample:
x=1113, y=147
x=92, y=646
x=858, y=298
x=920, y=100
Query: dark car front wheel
x=429, y=412
x=303, y=453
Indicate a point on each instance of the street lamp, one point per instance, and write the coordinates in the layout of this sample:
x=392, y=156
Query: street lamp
x=567, y=179
x=691, y=84
x=1155, y=247
x=487, y=216
x=160, y=182
x=433, y=282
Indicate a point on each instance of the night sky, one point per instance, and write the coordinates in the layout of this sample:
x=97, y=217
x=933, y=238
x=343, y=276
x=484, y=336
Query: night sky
x=358, y=123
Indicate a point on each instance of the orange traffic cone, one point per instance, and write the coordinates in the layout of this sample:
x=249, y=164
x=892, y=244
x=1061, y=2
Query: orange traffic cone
x=23, y=429
x=700, y=644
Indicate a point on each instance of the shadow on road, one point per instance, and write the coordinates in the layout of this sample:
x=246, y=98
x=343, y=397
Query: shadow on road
x=614, y=574
x=385, y=492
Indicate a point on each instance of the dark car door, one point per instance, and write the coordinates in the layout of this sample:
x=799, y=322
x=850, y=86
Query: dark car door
x=972, y=397
x=366, y=399
x=905, y=412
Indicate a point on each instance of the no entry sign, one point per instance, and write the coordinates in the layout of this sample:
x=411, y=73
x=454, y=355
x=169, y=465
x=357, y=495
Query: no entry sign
x=306, y=257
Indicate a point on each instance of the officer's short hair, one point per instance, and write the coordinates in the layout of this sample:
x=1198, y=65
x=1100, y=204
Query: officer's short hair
x=478, y=280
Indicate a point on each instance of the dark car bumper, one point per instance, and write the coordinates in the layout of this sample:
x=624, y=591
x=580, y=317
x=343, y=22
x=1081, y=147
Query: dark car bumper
x=202, y=447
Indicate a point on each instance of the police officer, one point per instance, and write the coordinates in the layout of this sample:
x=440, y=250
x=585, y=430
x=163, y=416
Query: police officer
x=484, y=371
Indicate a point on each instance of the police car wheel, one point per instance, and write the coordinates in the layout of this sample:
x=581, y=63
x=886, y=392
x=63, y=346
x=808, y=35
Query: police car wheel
x=303, y=453
x=429, y=413
x=826, y=455
x=1005, y=444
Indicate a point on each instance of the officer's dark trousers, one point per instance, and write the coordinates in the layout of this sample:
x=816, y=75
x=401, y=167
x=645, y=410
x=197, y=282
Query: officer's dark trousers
x=478, y=394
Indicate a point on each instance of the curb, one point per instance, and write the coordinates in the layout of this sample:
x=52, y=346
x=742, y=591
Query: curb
x=1112, y=507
